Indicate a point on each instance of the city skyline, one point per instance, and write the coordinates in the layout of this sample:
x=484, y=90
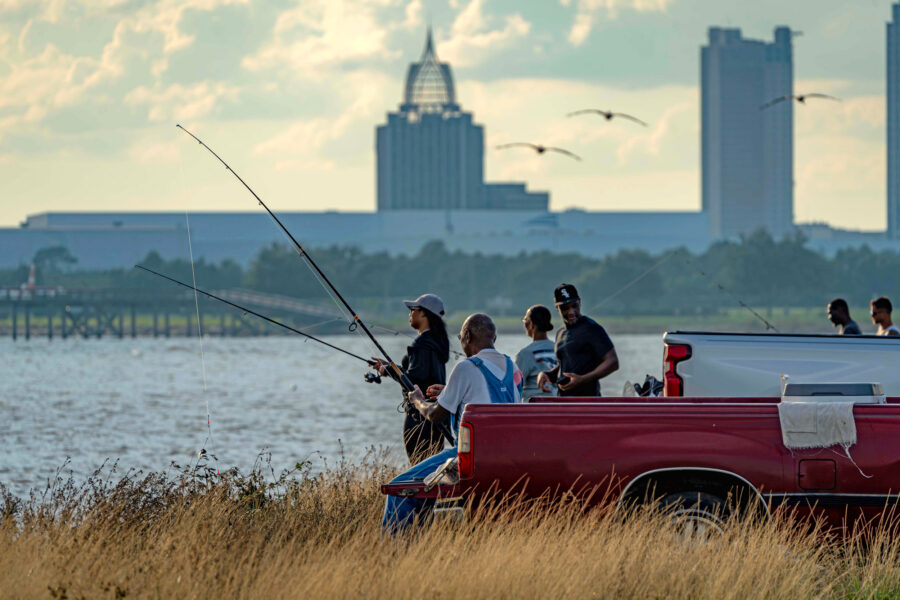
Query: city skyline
x=291, y=97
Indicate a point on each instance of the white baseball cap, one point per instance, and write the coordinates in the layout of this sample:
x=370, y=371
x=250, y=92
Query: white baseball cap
x=429, y=302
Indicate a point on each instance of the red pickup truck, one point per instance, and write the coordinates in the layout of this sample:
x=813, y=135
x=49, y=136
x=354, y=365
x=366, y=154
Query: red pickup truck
x=701, y=456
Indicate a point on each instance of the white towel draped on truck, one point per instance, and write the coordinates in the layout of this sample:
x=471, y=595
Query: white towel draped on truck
x=817, y=424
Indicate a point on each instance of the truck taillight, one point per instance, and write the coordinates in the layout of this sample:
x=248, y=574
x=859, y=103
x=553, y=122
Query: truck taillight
x=464, y=450
x=673, y=385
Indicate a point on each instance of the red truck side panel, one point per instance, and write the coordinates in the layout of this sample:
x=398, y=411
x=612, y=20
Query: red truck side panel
x=570, y=445
x=561, y=447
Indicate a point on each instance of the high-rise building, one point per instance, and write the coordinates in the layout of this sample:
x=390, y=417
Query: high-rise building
x=430, y=153
x=893, y=123
x=747, y=151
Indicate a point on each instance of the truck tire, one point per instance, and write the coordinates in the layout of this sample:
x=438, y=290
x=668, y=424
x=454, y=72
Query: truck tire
x=697, y=516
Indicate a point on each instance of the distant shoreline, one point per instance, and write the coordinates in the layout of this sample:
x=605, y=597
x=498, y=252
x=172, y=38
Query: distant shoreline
x=785, y=320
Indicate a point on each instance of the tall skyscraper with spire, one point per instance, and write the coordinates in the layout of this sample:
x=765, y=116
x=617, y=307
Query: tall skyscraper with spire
x=430, y=153
x=747, y=152
x=893, y=123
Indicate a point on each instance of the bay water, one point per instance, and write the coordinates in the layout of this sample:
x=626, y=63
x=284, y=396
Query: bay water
x=141, y=402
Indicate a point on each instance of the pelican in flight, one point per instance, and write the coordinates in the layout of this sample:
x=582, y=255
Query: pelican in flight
x=539, y=148
x=801, y=99
x=608, y=114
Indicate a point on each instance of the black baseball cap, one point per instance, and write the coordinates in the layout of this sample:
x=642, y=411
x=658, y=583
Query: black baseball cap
x=565, y=293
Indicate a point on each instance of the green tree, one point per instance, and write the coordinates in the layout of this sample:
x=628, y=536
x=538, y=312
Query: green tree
x=53, y=259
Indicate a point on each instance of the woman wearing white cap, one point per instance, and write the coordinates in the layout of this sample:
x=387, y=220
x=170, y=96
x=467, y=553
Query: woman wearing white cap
x=425, y=364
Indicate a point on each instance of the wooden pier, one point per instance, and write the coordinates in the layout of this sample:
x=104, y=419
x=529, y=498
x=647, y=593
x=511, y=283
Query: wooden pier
x=58, y=313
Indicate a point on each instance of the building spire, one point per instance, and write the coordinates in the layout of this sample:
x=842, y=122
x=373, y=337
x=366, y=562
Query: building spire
x=429, y=83
x=428, y=53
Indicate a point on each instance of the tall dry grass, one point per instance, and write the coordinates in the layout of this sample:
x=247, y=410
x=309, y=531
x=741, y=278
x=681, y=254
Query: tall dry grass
x=199, y=535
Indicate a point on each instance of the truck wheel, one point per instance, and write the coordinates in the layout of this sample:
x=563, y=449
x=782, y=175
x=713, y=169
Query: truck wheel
x=697, y=516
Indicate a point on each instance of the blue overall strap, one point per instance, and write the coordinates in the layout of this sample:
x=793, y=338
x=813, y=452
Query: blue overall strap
x=501, y=391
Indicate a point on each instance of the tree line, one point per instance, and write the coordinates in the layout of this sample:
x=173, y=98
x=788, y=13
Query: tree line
x=756, y=270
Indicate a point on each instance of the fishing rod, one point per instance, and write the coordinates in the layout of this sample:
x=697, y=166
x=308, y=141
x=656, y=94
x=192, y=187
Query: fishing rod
x=402, y=377
x=369, y=362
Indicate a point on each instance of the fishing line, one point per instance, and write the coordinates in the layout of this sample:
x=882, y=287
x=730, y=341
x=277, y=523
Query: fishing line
x=722, y=288
x=688, y=261
x=246, y=310
x=345, y=314
x=202, y=453
x=320, y=323
x=455, y=353
x=636, y=279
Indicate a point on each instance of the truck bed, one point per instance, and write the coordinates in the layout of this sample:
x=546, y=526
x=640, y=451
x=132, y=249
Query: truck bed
x=613, y=447
x=698, y=363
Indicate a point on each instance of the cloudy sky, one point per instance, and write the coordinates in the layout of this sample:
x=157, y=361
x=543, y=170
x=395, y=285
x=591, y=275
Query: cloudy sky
x=290, y=93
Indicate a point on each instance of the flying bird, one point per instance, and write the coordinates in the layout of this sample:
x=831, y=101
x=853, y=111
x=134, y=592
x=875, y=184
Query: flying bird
x=606, y=113
x=539, y=148
x=801, y=99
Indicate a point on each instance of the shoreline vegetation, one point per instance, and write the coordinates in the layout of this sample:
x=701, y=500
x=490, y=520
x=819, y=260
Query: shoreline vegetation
x=632, y=291
x=199, y=534
x=785, y=319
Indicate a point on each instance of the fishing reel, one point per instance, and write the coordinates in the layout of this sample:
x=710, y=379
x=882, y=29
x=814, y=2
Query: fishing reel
x=373, y=378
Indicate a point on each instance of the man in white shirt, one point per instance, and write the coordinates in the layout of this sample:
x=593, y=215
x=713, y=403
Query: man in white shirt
x=881, y=316
x=486, y=376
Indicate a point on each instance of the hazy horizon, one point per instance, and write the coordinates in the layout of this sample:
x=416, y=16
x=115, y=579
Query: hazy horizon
x=290, y=95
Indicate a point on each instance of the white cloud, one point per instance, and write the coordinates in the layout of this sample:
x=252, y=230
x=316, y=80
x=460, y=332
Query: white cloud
x=155, y=152
x=472, y=40
x=581, y=28
x=180, y=103
x=319, y=34
x=37, y=84
x=23, y=35
x=840, y=157
x=651, y=142
x=586, y=9
x=302, y=145
x=413, y=14
x=859, y=113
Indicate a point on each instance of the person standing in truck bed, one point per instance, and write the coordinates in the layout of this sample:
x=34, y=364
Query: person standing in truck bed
x=881, y=316
x=839, y=314
x=584, y=351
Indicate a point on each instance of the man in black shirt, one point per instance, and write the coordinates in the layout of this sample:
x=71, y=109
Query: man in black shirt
x=583, y=349
x=839, y=314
